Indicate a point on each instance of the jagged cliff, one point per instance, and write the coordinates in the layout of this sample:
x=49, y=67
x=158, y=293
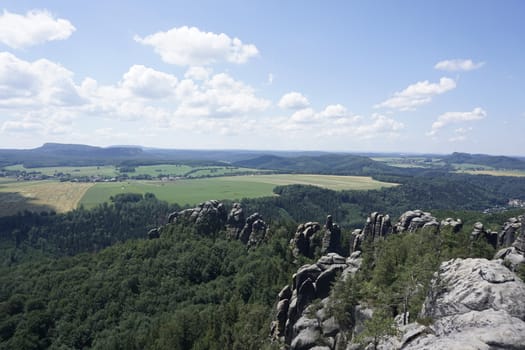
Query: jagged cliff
x=471, y=303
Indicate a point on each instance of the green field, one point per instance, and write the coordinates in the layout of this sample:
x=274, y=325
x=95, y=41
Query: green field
x=234, y=187
x=107, y=170
x=174, y=170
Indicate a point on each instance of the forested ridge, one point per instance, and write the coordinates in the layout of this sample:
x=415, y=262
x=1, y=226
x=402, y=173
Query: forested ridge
x=91, y=279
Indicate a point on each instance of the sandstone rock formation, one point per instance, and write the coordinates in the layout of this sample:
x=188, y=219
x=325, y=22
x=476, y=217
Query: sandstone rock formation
x=211, y=217
x=377, y=225
x=415, y=219
x=300, y=324
x=306, y=238
x=479, y=232
x=310, y=238
x=153, y=233
x=235, y=221
x=475, y=304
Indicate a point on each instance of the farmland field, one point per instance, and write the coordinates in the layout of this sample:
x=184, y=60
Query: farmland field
x=40, y=195
x=494, y=172
x=232, y=187
x=151, y=170
x=107, y=170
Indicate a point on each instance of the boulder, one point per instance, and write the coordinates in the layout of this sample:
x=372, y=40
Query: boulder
x=331, y=242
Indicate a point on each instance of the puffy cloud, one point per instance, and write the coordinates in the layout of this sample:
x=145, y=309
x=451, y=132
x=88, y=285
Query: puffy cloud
x=35, y=27
x=149, y=83
x=458, y=65
x=456, y=117
x=336, y=121
x=41, y=82
x=198, y=73
x=417, y=94
x=219, y=96
x=186, y=46
x=293, y=100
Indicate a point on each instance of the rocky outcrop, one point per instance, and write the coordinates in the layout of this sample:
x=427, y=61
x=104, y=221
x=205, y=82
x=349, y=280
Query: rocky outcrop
x=235, y=221
x=413, y=220
x=331, y=242
x=509, y=231
x=479, y=232
x=254, y=230
x=377, y=225
x=454, y=224
x=475, y=304
x=514, y=256
x=306, y=238
x=310, y=238
x=301, y=324
x=207, y=217
x=211, y=217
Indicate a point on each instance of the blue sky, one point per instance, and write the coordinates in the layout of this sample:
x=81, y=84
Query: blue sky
x=382, y=76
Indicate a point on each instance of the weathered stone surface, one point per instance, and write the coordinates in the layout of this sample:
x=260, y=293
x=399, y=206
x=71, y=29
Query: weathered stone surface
x=464, y=285
x=208, y=217
x=509, y=231
x=306, y=339
x=413, y=220
x=306, y=238
x=377, y=225
x=235, y=221
x=331, y=242
x=488, y=329
x=512, y=257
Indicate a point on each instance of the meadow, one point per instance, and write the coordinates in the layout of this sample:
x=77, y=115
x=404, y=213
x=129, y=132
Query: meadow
x=227, y=187
x=40, y=196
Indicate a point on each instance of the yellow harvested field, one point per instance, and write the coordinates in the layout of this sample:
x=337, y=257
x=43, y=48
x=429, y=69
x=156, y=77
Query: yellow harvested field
x=40, y=195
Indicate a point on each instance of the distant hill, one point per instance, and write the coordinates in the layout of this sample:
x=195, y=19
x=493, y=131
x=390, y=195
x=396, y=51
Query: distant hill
x=56, y=154
x=343, y=164
x=498, y=162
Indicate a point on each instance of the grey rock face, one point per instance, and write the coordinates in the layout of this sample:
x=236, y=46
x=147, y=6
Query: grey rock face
x=377, y=225
x=208, y=217
x=235, y=221
x=413, y=220
x=331, y=242
x=463, y=285
x=479, y=232
x=303, y=325
x=510, y=231
x=306, y=238
x=475, y=304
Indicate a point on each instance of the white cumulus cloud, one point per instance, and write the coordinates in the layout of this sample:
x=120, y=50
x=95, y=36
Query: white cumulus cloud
x=293, y=100
x=35, y=27
x=457, y=117
x=187, y=46
x=41, y=82
x=458, y=65
x=149, y=83
x=417, y=94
